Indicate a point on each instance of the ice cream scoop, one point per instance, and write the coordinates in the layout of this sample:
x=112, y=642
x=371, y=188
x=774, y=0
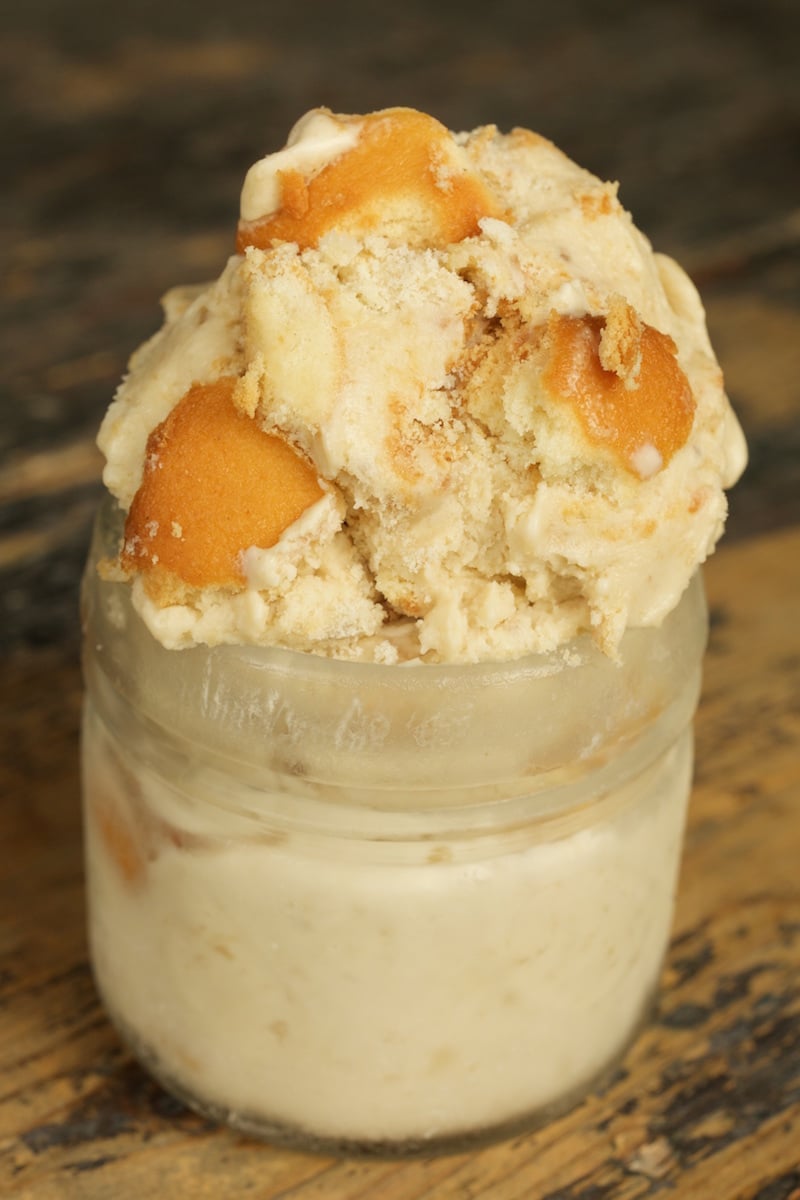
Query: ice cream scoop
x=473, y=413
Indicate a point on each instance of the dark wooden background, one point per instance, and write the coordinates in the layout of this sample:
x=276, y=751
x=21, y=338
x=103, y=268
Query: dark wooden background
x=126, y=130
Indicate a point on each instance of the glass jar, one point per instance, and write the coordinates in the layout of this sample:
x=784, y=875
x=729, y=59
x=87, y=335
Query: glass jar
x=360, y=907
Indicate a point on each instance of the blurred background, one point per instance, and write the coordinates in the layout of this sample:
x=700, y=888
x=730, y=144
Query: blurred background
x=128, y=129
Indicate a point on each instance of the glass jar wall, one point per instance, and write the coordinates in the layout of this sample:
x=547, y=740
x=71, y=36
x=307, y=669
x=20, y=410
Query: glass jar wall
x=382, y=908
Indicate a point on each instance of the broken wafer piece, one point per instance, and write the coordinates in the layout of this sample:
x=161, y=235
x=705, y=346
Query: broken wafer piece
x=214, y=484
x=643, y=414
x=397, y=172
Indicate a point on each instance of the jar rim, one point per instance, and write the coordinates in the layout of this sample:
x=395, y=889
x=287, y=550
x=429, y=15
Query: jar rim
x=363, y=724
x=577, y=653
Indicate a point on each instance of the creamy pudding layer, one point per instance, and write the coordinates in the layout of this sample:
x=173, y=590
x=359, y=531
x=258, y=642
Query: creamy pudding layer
x=395, y=992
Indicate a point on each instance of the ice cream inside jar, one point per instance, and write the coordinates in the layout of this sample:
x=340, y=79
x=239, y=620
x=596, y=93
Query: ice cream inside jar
x=392, y=641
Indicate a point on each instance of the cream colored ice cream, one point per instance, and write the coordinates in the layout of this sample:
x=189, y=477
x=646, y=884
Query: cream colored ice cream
x=445, y=402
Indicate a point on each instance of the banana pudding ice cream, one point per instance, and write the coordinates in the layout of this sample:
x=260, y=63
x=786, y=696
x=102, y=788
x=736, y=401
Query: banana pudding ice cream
x=393, y=642
x=444, y=403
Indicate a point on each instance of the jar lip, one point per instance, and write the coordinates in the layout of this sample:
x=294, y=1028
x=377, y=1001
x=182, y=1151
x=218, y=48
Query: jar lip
x=359, y=724
x=570, y=656
x=579, y=653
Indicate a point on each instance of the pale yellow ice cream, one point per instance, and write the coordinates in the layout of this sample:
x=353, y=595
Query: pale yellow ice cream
x=445, y=403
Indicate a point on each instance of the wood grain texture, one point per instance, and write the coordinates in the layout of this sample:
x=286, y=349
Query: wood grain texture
x=128, y=131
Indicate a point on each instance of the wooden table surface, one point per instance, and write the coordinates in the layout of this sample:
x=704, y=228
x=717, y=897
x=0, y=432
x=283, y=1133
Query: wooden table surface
x=129, y=128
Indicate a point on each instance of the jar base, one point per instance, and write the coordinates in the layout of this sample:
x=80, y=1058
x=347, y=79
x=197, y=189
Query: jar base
x=298, y=1139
